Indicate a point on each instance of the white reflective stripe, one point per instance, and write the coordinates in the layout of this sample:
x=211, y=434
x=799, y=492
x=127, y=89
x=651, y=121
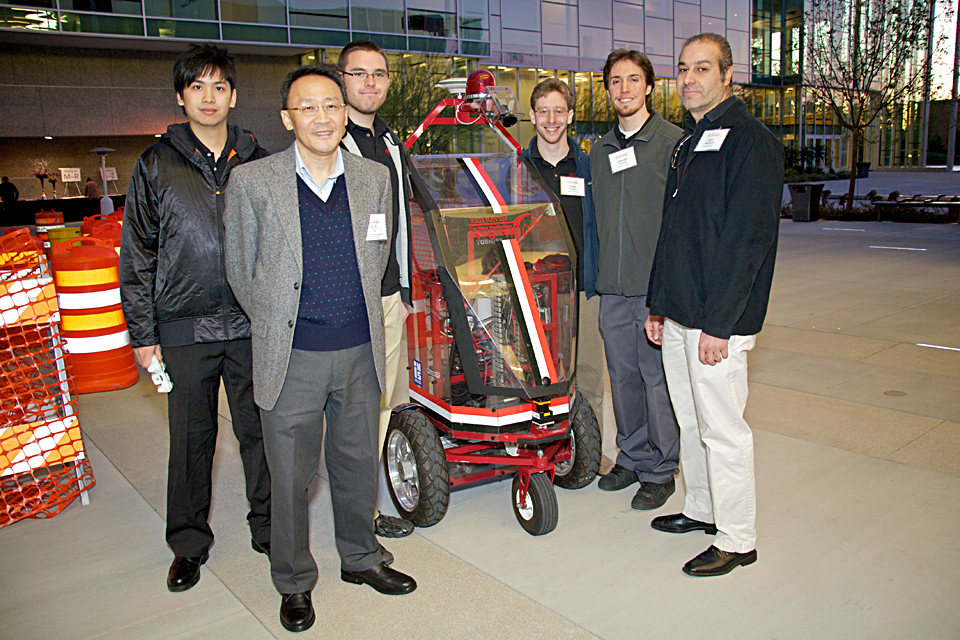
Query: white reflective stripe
x=469, y=418
x=528, y=307
x=91, y=300
x=98, y=344
x=483, y=181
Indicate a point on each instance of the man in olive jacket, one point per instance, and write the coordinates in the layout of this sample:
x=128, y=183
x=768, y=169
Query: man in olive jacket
x=181, y=311
x=629, y=167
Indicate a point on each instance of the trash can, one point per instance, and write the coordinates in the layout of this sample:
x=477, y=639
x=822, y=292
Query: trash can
x=863, y=170
x=806, y=201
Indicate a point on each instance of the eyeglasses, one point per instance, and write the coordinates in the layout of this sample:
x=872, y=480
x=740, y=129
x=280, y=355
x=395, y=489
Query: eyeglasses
x=676, y=152
x=543, y=112
x=379, y=76
x=311, y=110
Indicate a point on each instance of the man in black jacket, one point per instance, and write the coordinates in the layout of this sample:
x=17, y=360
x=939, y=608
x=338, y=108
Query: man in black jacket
x=708, y=295
x=175, y=296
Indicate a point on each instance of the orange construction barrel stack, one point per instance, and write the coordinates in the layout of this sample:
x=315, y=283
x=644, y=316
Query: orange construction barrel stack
x=86, y=274
x=110, y=231
x=46, y=220
x=43, y=465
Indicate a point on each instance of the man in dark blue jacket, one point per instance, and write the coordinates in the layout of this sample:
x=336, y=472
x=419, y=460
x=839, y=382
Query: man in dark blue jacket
x=566, y=170
x=175, y=297
x=709, y=288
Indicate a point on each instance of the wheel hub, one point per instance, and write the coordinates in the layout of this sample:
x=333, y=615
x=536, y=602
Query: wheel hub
x=402, y=471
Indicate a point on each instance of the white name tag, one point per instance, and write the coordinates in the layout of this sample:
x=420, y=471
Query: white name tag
x=712, y=140
x=378, y=227
x=572, y=186
x=622, y=160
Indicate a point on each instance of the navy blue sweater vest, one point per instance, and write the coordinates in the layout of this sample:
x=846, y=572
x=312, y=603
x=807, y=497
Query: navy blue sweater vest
x=333, y=311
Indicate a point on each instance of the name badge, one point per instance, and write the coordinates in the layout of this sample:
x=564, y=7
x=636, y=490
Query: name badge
x=622, y=160
x=572, y=186
x=712, y=140
x=378, y=227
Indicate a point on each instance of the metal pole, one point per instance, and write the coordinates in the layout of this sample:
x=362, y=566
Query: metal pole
x=927, y=73
x=952, y=132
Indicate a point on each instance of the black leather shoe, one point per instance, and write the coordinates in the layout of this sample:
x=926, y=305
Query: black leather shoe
x=714, y=562
x=618, y=478
x=386, y=556
x=261, y=547
x=184, y=572
x=296, y=612
x=391, y=527
x=651, y=495
x=383, y=579
x=679, y=523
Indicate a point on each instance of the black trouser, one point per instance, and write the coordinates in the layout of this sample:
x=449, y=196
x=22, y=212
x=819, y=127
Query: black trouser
x=196, y=371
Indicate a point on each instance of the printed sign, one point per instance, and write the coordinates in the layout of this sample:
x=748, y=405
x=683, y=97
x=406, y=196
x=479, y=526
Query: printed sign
x=418, y=373
x=111, y=173
x=69, y=175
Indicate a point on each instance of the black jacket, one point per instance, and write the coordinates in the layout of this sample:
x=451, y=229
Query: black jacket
x=173, y=282
x=721, y=216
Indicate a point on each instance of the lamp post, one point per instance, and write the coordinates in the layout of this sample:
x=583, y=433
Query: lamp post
x=106, y=204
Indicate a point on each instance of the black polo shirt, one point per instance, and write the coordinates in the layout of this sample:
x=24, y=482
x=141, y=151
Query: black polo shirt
x=572, y=205
x=373, y=146
x=219, y=165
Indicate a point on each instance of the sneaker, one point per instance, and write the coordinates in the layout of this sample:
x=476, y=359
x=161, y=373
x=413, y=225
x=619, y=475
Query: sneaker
x=618, y=478
x=652, y=496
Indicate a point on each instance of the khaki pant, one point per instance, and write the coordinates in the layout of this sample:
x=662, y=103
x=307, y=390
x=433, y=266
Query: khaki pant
x=590, y=361
x=398, y=387
x=716, y=444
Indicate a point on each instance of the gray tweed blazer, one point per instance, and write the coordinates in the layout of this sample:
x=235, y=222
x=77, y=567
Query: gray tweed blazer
x=264, y=256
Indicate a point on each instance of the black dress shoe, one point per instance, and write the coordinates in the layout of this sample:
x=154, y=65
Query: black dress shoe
x=296, y=612
x=391, y=527
x=382, y=578
x=679, y=523
x=714, y=562
x=386, y=556
x=618, y=478
x=651, y=495
x=261, y=547
x=184, y=572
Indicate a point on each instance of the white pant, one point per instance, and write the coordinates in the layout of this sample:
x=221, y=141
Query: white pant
x=716, y=444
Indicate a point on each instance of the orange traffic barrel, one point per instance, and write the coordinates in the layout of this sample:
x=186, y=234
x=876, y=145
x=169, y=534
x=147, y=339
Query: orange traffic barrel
x=46, y=220
x=108, y=231
x=91, y=222
x=87, y=276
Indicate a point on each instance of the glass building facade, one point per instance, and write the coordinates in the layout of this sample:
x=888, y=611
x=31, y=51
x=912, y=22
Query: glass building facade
x=520, y=41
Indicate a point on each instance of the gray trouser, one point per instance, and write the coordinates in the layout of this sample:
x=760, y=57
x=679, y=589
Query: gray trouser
x=341, y=386
x=590, y=366
x=647, y=431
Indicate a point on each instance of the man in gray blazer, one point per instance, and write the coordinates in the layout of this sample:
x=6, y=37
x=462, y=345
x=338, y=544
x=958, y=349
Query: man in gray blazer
x=306, y=248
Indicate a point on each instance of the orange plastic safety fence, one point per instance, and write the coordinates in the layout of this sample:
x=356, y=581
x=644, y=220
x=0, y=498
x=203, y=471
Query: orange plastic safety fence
x=43, y=465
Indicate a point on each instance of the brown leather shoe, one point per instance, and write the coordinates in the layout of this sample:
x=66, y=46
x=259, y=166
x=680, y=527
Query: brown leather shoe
x=714, y=562
x=382, y=578
x=296, y=612
x=184, y=572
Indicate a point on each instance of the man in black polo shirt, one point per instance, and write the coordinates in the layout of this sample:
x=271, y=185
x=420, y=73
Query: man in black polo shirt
x=366, y=76
x=566, y=170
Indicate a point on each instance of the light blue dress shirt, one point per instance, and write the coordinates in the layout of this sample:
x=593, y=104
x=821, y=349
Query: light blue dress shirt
x=322, y=190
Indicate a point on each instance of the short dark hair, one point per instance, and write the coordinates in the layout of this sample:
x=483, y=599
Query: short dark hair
x=360, y=45
x=200, y=60
x=635, y=57
x=726, y=54
x=322, y=70
x=4, y=179
x=549, y=86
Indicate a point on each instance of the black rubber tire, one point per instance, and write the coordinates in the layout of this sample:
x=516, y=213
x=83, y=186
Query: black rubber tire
x=433, y=478
x=586, y=437
x=542, y=497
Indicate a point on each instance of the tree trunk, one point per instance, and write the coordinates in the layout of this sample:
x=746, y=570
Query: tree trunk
x=855, y=159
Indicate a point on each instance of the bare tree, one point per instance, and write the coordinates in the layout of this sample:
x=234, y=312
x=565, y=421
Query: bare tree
x=865, y=57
